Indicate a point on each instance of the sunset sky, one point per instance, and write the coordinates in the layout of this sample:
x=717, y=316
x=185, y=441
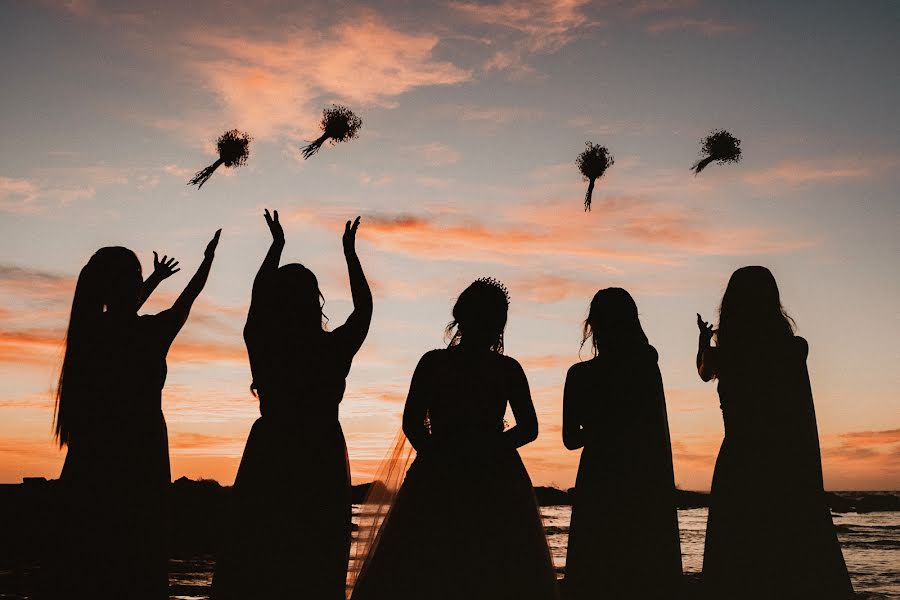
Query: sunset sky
x=473, y=115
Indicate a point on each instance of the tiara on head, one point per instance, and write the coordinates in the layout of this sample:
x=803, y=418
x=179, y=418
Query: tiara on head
x=497, y=284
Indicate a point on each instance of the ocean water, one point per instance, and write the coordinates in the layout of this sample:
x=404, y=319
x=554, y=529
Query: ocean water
x=870, y=542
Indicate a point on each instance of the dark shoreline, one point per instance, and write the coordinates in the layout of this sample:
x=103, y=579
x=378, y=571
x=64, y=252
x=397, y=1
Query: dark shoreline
x=198, y=512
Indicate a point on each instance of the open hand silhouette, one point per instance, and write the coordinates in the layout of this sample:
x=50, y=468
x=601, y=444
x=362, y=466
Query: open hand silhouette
x=274, y=225
x=349, y=237
x=706, y=330
x=165, y=268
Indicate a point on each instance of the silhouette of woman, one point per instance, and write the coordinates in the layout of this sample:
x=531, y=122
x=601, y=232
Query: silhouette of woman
x=769, y=533
x=465, y=523
x=109, y=416
x=623, y=539
x=291, y=533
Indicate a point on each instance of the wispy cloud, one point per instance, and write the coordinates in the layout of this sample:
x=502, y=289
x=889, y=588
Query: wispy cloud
x=823, y=170
x=644, y=7
x=25, y=196
x=496, y=115
x=708, y=26
x=437, y=154
x=525, y=27
x=273, y=84
x=630, y=230
x=862, y=459
x=546, y=25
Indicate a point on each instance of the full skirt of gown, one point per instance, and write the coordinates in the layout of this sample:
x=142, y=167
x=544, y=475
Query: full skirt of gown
x=767, y=538
x=623, y=536
x=289, y=536
x=465, y=524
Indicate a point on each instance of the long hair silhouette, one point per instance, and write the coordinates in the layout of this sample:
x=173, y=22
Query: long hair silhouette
x=480, y=314
x=111, y=281
x=751, y=310
x=613, y=322
x=290, y=310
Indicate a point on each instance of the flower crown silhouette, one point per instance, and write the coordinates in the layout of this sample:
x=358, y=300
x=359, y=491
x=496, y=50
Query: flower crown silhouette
x=497, y=284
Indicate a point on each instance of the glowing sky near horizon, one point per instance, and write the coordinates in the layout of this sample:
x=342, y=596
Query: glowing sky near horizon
x=473, y=116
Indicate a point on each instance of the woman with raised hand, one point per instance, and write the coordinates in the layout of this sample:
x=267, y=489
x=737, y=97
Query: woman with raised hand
x=769, y=532
x=291, y=532
x=465, y=523
x=109, y=416
x=623, y=538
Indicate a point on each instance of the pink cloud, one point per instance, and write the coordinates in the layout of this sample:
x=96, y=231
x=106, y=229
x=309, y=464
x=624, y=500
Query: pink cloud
x=271, y=85
x=546, y=25
x=521, y=28
x=807, y=171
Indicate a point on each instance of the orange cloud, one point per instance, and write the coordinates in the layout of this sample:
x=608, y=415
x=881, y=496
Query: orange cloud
x=26, y=457
x=658, y=233
x=44, y=348
x=863, y=455
x=186, y=350
x=547, y=361
x=184, y=443
x=36, y=347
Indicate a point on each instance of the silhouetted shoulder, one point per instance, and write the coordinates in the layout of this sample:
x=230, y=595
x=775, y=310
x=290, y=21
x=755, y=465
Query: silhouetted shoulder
x=510, y=365
x=578, y=369
x=802, y=346
x=163, y=326
x=432, y=358
x=434, y=355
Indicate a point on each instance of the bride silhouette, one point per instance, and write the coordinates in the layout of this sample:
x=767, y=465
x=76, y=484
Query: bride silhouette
x=465, y=523
x=290, y=537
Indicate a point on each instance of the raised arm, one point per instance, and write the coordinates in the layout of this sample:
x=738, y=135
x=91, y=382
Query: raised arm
x=355, y=329
x=573, y=434
x=273, y=256
x=417, y=403
x=526, y=428
x=162, y=269
x=706, y=367
x=178, y=314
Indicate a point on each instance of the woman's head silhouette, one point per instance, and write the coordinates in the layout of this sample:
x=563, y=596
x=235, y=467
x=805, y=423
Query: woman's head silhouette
x=613, y=323
x=111, y=283
x=751, y=310
x=290, y=312
x=479, y=315
x=296, y=301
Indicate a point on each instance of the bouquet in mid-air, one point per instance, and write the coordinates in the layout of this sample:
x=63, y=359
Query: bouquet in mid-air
x=339, y=124
x=234, y=150
x=719, y=146
x=593, y=163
